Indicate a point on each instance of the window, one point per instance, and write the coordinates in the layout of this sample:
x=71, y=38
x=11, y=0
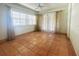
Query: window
x=30, y=19
x=22, y=18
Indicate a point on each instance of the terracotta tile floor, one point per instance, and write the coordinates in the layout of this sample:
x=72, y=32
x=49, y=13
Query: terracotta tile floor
x=38, y=44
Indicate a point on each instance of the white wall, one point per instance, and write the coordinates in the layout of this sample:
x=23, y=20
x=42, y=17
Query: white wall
x=24, y=29
x=74, y=27
x=18, y=30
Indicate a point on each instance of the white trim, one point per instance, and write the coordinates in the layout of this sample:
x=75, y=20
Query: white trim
x=21, y=8
x=52, y=10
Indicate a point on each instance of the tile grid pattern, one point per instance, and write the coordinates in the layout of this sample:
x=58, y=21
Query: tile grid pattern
x=38, y=44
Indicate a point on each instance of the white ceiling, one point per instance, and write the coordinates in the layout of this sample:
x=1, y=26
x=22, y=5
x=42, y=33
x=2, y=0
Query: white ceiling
x=47, y=6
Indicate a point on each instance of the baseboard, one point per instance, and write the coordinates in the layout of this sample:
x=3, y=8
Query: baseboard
x=4, y=40
x=24, y=34
x=72, y=46
x=61, y=33
x=74, y=49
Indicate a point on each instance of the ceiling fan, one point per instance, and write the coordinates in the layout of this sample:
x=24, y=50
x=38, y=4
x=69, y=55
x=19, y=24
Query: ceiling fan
x=40, y=6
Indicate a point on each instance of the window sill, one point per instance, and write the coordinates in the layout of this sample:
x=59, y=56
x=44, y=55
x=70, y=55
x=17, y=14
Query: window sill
x=23, y=25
